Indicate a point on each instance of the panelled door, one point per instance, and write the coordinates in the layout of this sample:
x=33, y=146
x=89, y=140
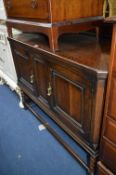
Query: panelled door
x=72, y=99
x=42, y=74
x=24, y=66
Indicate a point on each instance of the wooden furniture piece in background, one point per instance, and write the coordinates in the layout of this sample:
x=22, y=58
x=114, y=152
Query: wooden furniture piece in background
x=53, y=31
x=53, y=11
x=107, y=164
x=53, y=18
x=66, y=85
x=7, y=68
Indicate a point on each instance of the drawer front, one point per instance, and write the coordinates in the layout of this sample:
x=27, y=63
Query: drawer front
x=112, y=101
x=103, y=170
x=24, y=66
x=110, y=130
x=36, y=9
x=108, y=155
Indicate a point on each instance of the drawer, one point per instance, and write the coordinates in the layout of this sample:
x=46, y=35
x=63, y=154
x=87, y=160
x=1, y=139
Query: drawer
x=103, y=170
x=110, y=130
x=109, y=155
x=37, y=9
x=112, y=101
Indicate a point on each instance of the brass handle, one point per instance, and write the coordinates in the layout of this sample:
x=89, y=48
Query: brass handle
x=9, y=4
x=49, y=90
x=31, y=78
x=34, y=4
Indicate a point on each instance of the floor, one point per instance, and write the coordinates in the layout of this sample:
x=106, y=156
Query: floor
x=25, y=147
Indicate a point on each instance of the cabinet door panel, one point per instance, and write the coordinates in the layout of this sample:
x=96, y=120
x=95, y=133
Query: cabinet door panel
x=67, y=92
x=24, y=67
x=72, y=100
x=112, y=101
x=42, y=79
x=110, y=130
x=108, y=155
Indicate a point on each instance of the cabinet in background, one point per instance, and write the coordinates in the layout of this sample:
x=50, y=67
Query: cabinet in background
x=53, y=18
x=53, y=11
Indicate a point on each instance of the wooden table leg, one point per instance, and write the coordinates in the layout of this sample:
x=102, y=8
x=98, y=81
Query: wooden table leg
x=53, y=38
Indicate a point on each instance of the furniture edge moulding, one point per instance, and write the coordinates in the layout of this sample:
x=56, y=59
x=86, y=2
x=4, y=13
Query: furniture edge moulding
x=54, y=30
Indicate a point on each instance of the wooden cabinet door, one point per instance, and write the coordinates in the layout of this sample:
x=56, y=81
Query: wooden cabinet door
x=72, y=99
x=24, y=66
x=41, y=71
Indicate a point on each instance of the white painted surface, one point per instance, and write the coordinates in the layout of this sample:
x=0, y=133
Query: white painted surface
x=7, y=68
x=2, y=10
x=6, y=60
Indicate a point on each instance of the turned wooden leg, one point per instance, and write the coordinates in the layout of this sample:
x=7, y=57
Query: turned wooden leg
x=26, y=100
x=9, y=30
x=98, y=33
x=53, y=38
x=92, y=165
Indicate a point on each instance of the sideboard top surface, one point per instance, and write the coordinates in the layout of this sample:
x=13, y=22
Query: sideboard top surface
x=78, y=49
